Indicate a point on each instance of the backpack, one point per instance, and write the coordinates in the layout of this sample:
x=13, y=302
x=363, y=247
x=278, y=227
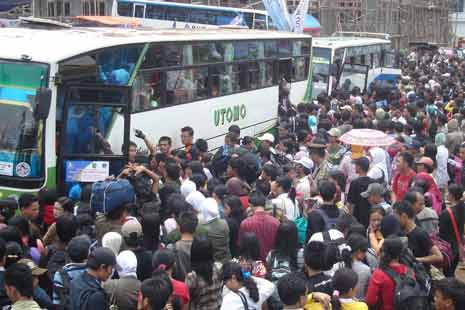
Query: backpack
x=63, y=291
x=57, y=260
x=330, y=222
x=408, y=293
x=421, y=274
x=279, y=266
x=111, y=194
x=446, y=251
x=182, y=264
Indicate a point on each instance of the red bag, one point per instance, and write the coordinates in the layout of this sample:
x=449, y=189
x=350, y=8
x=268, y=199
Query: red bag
x=445, y=249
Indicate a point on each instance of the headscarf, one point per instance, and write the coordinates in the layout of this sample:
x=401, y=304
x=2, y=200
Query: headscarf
x=210, y=210
x=195, y=199
x=126, y=264
x=440, y=139
x=433, y=188
x=237, y=187
x=113, y=241
x=187, y=187
x=378, y=162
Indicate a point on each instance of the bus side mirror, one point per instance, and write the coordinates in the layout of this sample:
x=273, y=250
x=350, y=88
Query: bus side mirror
x=42, y=101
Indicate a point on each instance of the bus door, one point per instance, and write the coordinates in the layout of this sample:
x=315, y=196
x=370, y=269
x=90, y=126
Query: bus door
x=139, y=10
x=353, y=75
x=284, y=75
x=94, y=134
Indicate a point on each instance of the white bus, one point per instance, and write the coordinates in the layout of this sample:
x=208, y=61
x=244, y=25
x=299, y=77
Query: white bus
x=107, y=82
x=162, y=14
x=347, y=61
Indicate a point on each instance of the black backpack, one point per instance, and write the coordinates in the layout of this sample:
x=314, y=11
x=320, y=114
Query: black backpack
x=422, y=275
x=408, y=293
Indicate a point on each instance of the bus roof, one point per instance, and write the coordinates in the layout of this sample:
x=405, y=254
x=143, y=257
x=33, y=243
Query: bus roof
x=196, y=6
x=42, y=45
x=338, y=42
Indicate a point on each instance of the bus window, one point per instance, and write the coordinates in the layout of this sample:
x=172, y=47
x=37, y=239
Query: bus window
x=284, y=48
x=299, y=68
x=259, y=21
x=221, y=81
x=376, y=61
x=177, y=14
x=248, y=19
x=155, y=12
x=200, y=76
x=238, y=75
x=139, y=11
x=146, y=91
x=199, y=16
x=296, y=48
x=321, y=60
x=225, y=18
x=254, y=75
x=268, y=73
x=180, y=86
x=205, y=53
x=248, y=50
x=88, y=128
x=174, y=55
x=271, y=49
x=306, y=47
x=153, y=57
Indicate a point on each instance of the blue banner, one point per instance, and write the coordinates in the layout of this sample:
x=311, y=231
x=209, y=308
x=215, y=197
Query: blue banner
x=277, y=10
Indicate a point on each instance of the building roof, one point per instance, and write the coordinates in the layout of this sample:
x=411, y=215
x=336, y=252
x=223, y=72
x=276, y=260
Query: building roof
x=42, y=45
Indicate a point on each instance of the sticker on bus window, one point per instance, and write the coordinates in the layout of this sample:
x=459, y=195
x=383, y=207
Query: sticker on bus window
x=6, y=168
x=23, y=169
x=86, y=170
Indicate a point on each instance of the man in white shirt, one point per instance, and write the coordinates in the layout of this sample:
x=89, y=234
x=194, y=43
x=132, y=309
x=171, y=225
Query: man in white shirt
x=303, y=168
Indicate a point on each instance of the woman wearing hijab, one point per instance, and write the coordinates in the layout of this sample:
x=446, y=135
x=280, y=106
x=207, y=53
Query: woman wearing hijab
x=379, y=166
x=432, y=192
x=442, y=156
x=123, y=292
x=113, y=241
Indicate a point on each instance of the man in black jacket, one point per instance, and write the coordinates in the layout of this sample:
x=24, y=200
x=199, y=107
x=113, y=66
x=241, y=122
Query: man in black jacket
x=86, y=291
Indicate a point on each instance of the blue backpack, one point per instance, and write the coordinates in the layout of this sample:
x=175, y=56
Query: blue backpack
x=110, y=195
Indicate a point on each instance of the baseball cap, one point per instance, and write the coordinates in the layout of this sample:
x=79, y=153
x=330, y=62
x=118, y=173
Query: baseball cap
x=267, y=137
x=306, y=162
x=425, y=161
x=36, y=271
x=363, y=162
x=131, y=228
x=101, y=256
x=334, y=132
x=414, y=144
x=78, y=248
x=373, y=189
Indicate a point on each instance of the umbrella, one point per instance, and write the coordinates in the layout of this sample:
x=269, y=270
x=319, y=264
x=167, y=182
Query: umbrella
x=366, y=137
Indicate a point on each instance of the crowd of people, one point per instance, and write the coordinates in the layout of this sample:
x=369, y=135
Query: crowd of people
x=291, y=220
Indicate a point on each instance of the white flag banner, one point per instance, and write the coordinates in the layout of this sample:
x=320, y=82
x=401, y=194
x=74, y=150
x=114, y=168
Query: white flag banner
x=299, y=15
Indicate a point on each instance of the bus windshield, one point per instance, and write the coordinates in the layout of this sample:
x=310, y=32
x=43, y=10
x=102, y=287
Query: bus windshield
x=320, y=70
x=20, y=133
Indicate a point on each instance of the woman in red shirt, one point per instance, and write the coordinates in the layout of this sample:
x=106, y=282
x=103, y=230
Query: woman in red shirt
x=381, y=287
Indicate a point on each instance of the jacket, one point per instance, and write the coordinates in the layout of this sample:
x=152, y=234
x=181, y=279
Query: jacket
x=25, y=305
x=217, y=231
x=381, y=288
x=103, y=225
x=123, y=292
x=87, y=293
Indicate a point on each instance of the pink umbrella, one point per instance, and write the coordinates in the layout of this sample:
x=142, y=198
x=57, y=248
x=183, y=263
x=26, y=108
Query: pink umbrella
x=366, y=137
